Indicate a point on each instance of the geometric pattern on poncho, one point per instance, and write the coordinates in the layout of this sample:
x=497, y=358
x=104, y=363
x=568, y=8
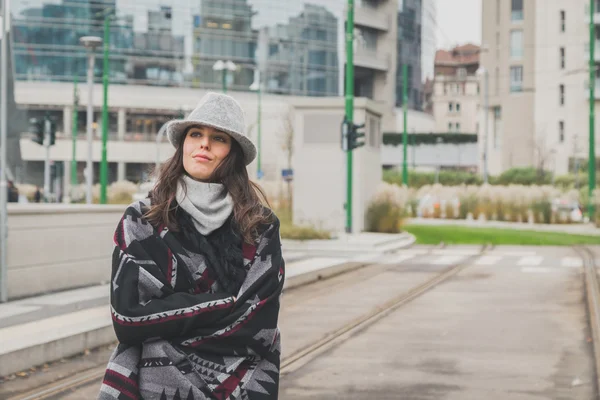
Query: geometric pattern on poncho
x=181, y=336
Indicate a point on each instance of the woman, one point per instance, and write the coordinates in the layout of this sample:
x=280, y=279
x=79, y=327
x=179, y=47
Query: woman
x=197, y=272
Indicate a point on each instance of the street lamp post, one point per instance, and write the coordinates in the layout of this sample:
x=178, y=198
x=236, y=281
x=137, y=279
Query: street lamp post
x=74, y=134
x=224, y=66
x=3, y=151
x=90, y=43
x=104, y=162
x=256, y=86
x=592, y=116
x=483, y=72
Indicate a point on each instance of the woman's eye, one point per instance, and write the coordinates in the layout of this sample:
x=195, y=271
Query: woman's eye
x=195, y=134
x=221, y=139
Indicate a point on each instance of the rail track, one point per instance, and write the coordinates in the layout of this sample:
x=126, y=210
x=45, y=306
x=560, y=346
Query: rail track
x=296, y=360
x=592, y=292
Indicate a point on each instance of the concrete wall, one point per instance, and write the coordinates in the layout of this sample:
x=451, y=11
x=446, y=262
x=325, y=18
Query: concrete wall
x=416, y=121
x=320, y=164
x=431, y=156
x=57, y=247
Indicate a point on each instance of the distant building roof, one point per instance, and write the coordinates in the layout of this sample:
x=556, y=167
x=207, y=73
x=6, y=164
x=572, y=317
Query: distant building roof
x=461, y=55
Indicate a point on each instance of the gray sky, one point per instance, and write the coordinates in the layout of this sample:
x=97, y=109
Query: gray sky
x=458, y=22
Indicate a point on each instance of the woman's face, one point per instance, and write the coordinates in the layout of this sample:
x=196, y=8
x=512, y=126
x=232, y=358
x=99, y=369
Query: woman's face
x=204, y=148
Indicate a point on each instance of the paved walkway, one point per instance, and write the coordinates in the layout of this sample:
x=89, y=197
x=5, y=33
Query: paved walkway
x=44, y=328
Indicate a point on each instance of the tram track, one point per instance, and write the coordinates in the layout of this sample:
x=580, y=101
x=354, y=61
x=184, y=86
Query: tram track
x=592, y=294
x=293, y=361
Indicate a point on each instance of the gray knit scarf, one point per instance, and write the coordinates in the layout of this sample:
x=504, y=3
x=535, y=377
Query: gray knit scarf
x=209, y=204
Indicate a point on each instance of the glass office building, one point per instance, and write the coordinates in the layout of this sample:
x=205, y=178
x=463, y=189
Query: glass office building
x=409, y=52
x=298, y=45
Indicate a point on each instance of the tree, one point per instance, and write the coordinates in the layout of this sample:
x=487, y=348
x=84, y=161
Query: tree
x=543, y=153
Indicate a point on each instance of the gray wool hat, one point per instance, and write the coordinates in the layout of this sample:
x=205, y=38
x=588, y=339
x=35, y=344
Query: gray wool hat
x=221, y=112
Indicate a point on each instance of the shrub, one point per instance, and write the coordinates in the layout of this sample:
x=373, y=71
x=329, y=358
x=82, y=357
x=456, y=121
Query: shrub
x=121, y=192
x=387, y=209
x=524, y=176
x=294, y=232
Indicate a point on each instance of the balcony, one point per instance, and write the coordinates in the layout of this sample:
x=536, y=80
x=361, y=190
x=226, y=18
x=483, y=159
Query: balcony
x=370, y=17
x=371, y=59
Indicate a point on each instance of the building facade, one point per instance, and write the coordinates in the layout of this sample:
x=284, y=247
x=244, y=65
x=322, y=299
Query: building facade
x=537, y=63
x=455, y=97
x=294, y=49
x=409, y=52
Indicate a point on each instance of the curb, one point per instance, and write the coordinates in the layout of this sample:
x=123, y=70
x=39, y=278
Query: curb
x=61, y=345
x=329, y=249
x=65, y=345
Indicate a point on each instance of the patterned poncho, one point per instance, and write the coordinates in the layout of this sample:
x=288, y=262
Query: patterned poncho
x=180, y=335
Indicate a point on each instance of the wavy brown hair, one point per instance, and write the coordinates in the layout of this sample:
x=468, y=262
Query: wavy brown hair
x=249, y=200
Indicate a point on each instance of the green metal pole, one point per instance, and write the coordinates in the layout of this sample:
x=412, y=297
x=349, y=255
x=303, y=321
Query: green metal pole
x=259, y=139
x=592, y=150
x=224, y=80
x=104, y=164
x=349, y=107
x=74, y=133
x=404, y=133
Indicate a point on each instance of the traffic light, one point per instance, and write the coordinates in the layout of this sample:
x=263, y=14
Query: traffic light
x=52, y=132
x=351, y=134
x=36, y=126
x=355, y=134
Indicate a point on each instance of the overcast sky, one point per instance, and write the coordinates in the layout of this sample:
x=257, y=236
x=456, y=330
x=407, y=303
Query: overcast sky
x=459, y=22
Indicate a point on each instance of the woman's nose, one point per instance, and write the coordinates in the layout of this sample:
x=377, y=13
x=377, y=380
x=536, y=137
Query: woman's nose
x=204, y=142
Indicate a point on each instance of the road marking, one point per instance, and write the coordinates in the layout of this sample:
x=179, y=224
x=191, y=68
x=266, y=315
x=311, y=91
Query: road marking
x=514, y=253
x=395, y=258
x=488, y=260
x=535, y=269
x=571, y=262
x=446, y=260
x=531, y=260
x=455, y=252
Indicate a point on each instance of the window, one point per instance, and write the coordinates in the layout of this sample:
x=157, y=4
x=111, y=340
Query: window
x=497, y=45
x=516, y=44
x=517, y=10
x=451, y=106
x=457, y=127
x=562, y=58
x=457, y=107
x=497, y=12
x=497, y=81
x=449, y=126
x=561, y=131
x=563, y=20
x=497, y=125
x=561, y=95
x=516, y=79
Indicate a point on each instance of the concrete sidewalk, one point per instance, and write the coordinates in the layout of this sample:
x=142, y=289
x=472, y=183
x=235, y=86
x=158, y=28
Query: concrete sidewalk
x=46, y=328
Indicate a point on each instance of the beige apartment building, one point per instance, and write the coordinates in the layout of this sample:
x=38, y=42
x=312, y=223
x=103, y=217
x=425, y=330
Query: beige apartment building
x=536, y=60
x=455, y=98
